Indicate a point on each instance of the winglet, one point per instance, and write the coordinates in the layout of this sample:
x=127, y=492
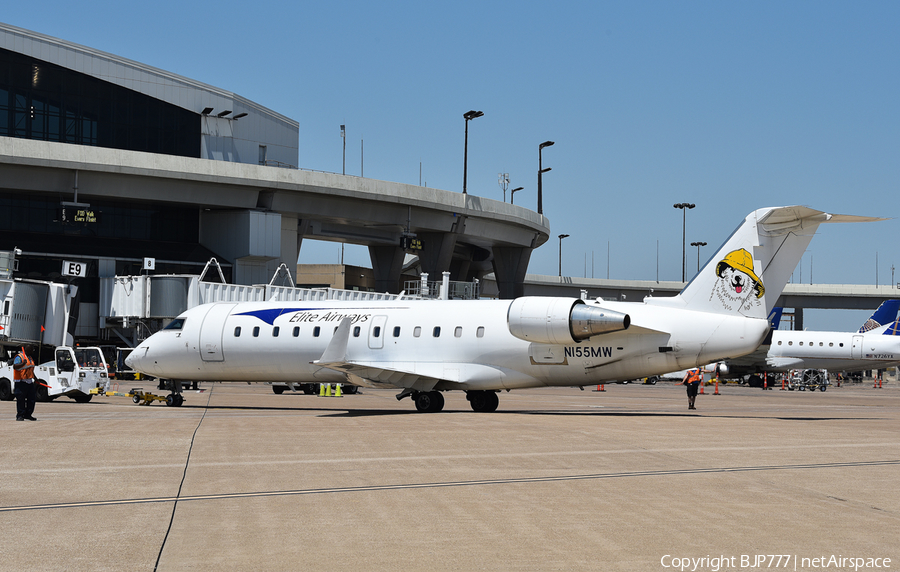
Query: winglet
x=337, y=347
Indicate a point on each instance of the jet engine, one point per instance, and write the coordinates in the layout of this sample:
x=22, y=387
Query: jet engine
x=561, y=320
x=720, y=368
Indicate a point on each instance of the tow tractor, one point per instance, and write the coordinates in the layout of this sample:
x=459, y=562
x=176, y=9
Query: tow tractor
x=73, y=373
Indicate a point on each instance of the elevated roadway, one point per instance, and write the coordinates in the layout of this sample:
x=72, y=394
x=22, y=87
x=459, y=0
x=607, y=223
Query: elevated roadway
x=466, y=235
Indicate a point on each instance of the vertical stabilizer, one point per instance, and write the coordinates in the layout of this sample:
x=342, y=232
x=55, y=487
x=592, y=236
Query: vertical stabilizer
x=885, y=314
x=748, y=273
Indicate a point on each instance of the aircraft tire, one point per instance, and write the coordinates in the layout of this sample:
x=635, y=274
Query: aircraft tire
x=429, y=401
x=483, y=401
x=179, y=400
x=6, y=393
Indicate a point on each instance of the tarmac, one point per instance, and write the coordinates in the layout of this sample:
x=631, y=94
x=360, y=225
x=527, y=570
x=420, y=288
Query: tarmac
x=239, y=478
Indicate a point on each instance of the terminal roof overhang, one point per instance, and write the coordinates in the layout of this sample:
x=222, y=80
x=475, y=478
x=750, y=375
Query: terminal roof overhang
x=332, y=207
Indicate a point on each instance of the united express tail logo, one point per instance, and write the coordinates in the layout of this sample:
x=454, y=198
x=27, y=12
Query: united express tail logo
x=738, y=287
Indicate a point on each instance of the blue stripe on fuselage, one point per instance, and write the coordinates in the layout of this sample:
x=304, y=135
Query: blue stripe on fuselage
x=269, y=315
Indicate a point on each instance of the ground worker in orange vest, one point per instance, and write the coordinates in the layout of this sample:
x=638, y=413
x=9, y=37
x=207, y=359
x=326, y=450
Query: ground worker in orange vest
x=692, y=380
x=25, y=384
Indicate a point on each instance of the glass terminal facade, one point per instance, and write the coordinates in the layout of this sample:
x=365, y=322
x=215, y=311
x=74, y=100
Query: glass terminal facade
x=43, y=101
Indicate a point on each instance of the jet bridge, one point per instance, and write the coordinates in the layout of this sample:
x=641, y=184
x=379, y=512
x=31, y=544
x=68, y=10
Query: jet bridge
x=134, y=307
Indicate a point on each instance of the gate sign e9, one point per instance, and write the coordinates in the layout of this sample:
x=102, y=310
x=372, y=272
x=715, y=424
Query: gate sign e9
x=78, y=269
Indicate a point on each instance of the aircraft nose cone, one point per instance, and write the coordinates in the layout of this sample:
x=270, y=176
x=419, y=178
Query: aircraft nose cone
x=133, y=360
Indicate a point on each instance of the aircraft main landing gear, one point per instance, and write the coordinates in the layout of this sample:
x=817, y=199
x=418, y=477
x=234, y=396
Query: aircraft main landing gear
x=429, y=401
x=483, y=401
x=426, y=401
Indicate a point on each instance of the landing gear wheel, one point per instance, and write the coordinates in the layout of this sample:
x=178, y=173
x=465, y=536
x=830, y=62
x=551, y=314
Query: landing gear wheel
x=483, y=401
x=429, y=401
x=278, y=389
x=174, y=400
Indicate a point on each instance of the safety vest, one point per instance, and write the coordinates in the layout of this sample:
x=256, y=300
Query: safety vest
x=694, y=376
x=26, y=372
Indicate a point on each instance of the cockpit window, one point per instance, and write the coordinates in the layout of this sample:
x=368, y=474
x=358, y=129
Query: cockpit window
x=175, y=324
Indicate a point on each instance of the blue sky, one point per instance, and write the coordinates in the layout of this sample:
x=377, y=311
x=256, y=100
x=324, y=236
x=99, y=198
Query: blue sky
x=731, y=106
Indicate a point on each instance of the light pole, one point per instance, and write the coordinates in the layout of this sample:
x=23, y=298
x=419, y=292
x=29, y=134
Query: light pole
x=562, y=236
x=467, y=116
x=698, y=244
x=504, y=183
x=344, y=162
x=512, y=194
x=541, y=171
x=683, y=207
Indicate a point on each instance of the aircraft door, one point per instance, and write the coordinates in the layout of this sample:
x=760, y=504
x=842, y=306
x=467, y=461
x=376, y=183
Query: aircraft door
x=377, y=333
x=856, y=347
x=212, y=332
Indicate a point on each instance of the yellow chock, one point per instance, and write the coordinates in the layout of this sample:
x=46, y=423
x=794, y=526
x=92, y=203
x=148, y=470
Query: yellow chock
x=327, y=390
x=337, y=390
x=321, y=390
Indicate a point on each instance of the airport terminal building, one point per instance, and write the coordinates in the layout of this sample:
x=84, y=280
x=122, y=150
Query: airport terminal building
x=110, y=163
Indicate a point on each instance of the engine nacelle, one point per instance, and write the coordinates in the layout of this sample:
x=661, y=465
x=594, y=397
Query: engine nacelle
x=719, y=367
x=561, y=320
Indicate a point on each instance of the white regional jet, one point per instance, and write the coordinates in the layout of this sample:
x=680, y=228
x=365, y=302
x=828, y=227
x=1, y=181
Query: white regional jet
x=875, y=346
x=425, y=347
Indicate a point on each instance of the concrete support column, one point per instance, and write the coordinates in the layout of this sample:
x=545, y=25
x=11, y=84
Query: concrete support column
x=510, y=265
x=798, y=319
x=290, y=244
x=387, y=263
x=437, y=252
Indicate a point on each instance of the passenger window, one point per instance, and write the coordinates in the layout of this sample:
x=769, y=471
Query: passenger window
x=396, y=331
x=296, y=331
x=316, y=331
x=237, y=331
x=355, y=331
x=256, y=331
x=479, y=332
x=801, y=343
x=779, y=342
x=830, y=344
x=840, y=345
x=821, y=344
x=790, y=343
x=436, y=332
x=275, y=331
x=376, y=332
x=417, y=331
